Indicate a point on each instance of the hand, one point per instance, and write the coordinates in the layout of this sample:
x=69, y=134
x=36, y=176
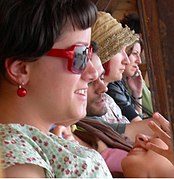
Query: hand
x=136, y=84
x=163, y=132
x=64, y=132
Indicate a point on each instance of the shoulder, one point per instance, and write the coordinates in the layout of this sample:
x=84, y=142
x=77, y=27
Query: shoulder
x=59, y=157
x=19, y=147
x=28, y=171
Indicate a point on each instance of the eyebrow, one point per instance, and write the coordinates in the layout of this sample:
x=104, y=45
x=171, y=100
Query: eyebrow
x=134, y=50
x=103, y=73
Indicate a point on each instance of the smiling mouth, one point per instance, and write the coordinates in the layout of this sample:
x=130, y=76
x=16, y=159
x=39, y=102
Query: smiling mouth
x=81, y=92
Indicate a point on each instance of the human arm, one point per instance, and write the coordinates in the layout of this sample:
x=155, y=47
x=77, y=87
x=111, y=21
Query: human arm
x=130, y=130
x=164, y=133
x=24, y=171
x=64, y=132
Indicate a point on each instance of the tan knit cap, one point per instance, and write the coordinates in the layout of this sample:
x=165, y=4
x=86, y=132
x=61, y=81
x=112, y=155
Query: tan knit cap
x=110, y=36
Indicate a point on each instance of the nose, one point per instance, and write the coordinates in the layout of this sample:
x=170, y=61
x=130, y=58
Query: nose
x=90, y=73
x=125, y=60
x=138, y=59
x=100, y=87
x=141, y=140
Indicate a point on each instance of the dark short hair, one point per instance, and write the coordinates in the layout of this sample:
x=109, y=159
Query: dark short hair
x=132, y=20
x=29, y=28
x=94, y=46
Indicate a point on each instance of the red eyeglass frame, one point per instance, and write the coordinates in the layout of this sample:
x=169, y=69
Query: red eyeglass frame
x=69, y=54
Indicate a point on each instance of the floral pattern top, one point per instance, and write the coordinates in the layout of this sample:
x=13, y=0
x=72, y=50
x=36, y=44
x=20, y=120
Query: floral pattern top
x=114, y=114
x=24, y=144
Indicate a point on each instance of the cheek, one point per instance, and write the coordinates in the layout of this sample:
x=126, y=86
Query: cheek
x=132, y=61
x=114, y=68
x=90, y=95
x=132, y=161
x=127, y=69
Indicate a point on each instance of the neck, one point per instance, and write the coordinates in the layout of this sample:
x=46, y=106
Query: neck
x=19, y=110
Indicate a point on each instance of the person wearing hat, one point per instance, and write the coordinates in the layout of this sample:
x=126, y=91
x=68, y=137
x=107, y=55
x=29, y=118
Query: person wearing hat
x=112, y=146
x=114, y=43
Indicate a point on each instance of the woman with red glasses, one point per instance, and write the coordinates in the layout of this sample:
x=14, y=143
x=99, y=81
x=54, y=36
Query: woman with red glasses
x=44, y=72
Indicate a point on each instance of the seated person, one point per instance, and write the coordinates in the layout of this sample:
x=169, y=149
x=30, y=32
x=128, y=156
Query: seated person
x=132, y=20
x=112, y=113
x=113, y=45
x=143, y=163
x=39, y=87
x=121, y=158
x=96, y=106
x=119, y=90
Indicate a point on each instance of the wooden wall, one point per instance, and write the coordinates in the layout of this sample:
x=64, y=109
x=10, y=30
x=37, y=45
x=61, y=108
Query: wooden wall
x=118, y=8
x=157, y=22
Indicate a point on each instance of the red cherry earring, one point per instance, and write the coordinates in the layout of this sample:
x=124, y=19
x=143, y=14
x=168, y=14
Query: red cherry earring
x=21, y=92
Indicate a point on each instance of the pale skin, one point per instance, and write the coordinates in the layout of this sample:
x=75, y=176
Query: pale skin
x=134, y=78
x=164, y=133
x=118, y=64
x=136, y=170
x=96, y=103
x=141, y=162
x=96, y=98
x=131, y=130
x=41, y=107
x=40, y=102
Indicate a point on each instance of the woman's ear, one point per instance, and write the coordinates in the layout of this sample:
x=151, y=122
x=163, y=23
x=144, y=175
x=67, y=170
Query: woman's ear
x=17, y=71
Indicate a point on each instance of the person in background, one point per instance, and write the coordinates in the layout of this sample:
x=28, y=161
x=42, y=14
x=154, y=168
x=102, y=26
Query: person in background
x=113, y=147
x=122, y=159
x=143, y=163
x=88, y=131
x=45, y=69
x=132, y=20
x=119, y=90
x=114, y=43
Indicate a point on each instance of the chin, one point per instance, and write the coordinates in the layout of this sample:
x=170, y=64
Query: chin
x=82, y=115
x=120, y=78
x=76, y=116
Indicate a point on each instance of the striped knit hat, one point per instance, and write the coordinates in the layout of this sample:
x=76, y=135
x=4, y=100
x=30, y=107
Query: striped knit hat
x=110, y=36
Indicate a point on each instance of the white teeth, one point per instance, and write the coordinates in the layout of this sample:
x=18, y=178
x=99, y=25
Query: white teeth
x=82, y=91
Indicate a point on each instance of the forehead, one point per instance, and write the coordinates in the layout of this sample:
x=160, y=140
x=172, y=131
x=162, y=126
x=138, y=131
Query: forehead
x=137, y=46
x=71, y=37
x=97, y=63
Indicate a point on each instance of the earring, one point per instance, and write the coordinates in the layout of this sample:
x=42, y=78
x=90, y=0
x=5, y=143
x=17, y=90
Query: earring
x=21, y=92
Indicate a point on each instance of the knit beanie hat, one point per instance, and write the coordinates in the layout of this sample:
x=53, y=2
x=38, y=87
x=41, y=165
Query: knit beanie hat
x=110, y=36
